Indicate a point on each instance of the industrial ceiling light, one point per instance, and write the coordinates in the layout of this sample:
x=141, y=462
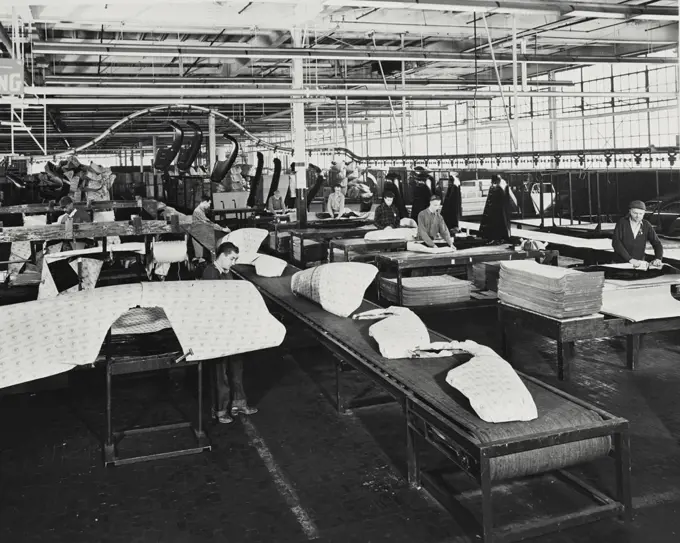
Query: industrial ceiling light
x=595, y=14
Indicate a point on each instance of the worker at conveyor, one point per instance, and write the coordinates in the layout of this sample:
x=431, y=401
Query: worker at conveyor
x=387, y=214
x=200, y=216
x=431, y=224
x=632, y=234
x=336, y=202
x=229, y=396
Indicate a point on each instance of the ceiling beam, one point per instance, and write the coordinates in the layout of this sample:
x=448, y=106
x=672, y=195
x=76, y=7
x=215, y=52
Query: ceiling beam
x=223, y=51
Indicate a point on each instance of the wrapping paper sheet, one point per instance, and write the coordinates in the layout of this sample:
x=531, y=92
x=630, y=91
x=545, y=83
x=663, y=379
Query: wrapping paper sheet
x=269, y=266
x=248, y=241
x=214, y=318
x=640, y=304
x=406, y=234
x=420, y=248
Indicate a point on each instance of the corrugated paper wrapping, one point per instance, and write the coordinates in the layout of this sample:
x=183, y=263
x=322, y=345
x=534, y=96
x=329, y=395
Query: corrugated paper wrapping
x=556, y=292
x=214, y=318
x=338, y=287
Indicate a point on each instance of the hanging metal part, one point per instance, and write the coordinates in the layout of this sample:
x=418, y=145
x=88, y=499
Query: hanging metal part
x=400, y=134
x=109, y=131
x=500, y=86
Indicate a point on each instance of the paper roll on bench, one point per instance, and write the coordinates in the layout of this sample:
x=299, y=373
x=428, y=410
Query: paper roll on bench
x=168, y=252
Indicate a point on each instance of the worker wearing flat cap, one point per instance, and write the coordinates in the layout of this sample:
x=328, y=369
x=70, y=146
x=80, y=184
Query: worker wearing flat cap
x=631, y=236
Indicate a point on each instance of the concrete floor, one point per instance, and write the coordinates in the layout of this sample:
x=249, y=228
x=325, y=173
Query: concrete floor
x=298, y=471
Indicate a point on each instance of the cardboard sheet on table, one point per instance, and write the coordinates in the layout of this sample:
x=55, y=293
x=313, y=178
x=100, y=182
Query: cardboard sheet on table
x=214, y=318
x=641, y=304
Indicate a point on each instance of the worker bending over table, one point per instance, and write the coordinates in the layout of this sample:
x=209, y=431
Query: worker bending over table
x=387, y=214
x=631, y=235
x=336, y=202
x=70, y=210
x=431, y=223
x=227, y=376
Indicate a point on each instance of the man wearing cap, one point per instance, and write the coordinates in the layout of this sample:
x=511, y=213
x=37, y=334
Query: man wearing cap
x=631, y=236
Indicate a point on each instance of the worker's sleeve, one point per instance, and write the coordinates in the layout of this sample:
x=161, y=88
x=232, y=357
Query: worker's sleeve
x=422, y=230
x=617, y=242
x=379, y=218
x=444, y=231
x=210, y=273
x=655, y=241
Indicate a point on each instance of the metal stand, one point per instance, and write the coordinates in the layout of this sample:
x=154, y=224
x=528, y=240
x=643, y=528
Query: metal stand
x=113, y=438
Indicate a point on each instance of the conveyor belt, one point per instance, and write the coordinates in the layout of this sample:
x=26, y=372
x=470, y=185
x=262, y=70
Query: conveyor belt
x=422, y=380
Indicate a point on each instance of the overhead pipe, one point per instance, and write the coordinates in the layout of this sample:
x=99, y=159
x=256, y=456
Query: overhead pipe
x=255, y=82
x=330, y=93
x=287, y=53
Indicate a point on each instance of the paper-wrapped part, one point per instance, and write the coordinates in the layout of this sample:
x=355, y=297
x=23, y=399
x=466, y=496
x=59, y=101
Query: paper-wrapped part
x=407, y=222
x=248, y=240
x=169, y=252
x=35, y=220
x=495, y=391
x=406, y=234
x=269, y=266
x=141, y=320
x=338, y=287
x=397, y=336
x=213, y=318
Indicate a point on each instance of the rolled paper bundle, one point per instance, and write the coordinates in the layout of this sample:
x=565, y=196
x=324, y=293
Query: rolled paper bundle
x=103, y=216
x=167, y=252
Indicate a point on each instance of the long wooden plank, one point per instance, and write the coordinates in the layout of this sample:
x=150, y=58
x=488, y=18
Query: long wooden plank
x=411, y=259
x=30, y=209
x=85, y=230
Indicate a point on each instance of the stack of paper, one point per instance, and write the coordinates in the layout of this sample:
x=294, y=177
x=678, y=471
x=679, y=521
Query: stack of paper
x=556, y=292
x=485, y=275
x=431, y=290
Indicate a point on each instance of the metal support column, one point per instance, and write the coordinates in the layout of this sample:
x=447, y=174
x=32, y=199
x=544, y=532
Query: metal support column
x=298, y=136
x=212, y=142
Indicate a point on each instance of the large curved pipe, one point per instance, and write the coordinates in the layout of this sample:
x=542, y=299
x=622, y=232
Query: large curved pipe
x=109, y=131
x=222, y=167
x=256, y=180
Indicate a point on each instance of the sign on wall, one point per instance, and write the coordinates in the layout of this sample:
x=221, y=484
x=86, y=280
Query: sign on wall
x=11, y=77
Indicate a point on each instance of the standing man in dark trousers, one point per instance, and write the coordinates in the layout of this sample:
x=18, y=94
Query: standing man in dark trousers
x=229, y=397
x=631, y=236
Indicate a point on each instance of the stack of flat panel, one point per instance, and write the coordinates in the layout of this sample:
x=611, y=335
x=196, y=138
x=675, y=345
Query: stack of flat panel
x=485, y=275
x=429, y=290
x=556, y=292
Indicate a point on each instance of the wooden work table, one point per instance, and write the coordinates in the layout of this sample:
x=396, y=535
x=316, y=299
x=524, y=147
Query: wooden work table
x=567, y=331
x=407, y=261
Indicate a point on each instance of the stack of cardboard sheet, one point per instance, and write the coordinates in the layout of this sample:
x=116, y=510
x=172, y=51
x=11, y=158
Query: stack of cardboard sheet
x=556, y=292
x=485, y=275
x=429, y=290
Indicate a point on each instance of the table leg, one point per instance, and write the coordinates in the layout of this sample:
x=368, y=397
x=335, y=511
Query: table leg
x=633, y=342
x=331, y=252
x=565, y=355
x=400, y=292
x=487, y=504
x=623, y=493
x=414, y=473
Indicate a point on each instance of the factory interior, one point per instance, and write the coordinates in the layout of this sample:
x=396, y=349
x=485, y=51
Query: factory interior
x=372, y=271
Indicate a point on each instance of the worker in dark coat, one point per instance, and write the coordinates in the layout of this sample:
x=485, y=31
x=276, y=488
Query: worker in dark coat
x=393, y=185
x=452, y=210
x=421, y=197
x=631, y=235
x=495, y=225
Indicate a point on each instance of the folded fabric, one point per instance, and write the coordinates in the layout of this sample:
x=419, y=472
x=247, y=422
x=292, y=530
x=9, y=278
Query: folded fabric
x=406, y=234
x=398, y=335
x=495, y=391
x=338, y=287
x=213, y=318
x=269, y=266
x=407, y=222
x=420, y=248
